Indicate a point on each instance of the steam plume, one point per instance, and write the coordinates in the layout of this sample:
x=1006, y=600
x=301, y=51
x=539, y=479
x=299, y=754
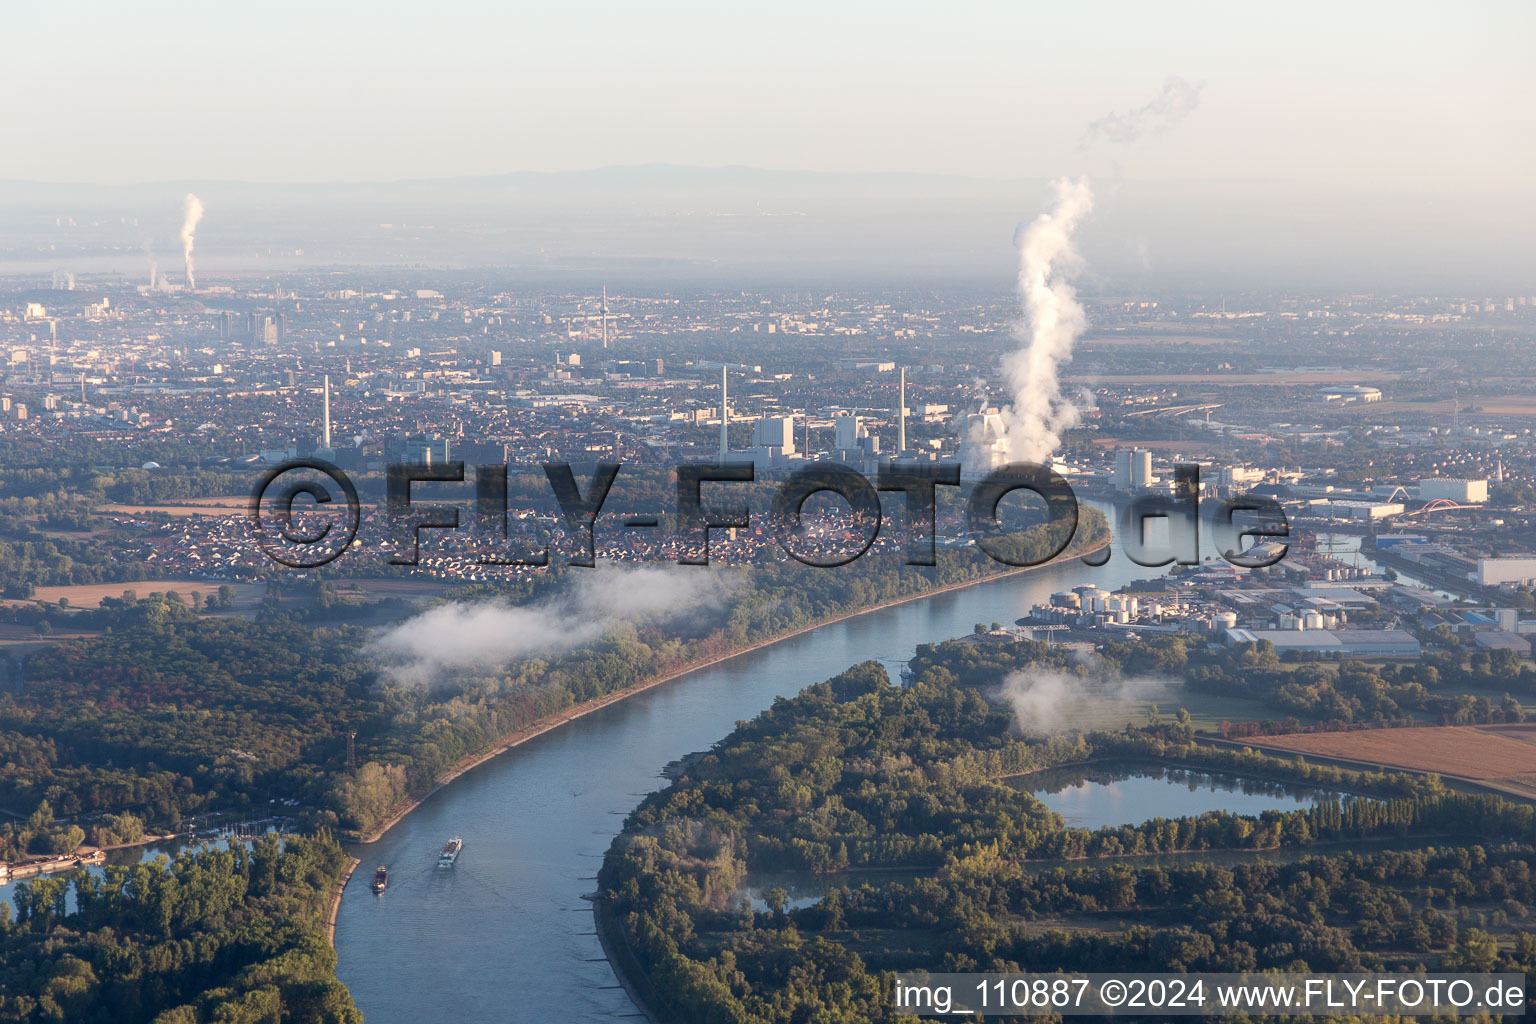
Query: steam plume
x=154, y=264
x=191, y=214
x=1177, y=100
x=1047, y=701
x=1052, y=321
x=466, y=637
x=1030, y=429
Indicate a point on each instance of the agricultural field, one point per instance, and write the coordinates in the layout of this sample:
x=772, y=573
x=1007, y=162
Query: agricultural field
x=89, y=595
x=221, y=506
x=1501, y=755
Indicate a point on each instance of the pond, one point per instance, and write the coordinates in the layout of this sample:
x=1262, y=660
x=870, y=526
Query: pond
x=1110, y=794
x=1100, y=795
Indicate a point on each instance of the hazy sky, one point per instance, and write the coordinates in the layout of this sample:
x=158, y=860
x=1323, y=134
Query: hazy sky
x=1431, y=98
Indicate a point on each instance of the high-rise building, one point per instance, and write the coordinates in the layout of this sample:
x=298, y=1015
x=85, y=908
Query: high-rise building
x=775, y=432
x=983, y=443
x=854, y=443
x=430, y=451
x=773, y=442
x=849, y=430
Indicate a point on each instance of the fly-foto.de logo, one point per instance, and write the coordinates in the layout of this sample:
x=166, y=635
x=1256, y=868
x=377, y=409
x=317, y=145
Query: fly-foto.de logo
x=286, y=534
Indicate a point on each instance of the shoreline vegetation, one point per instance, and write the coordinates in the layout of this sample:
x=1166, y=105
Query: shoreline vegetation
x=857, y=775
x=237, y=934
x=337, y=888
x=131, y=732
x=171, y=716
x=549, y=722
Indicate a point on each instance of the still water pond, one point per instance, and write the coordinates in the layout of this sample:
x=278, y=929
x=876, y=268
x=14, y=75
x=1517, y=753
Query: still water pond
x=1096, y=796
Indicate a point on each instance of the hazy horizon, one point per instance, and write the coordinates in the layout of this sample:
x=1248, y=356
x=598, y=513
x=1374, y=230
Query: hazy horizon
x=1376, y=146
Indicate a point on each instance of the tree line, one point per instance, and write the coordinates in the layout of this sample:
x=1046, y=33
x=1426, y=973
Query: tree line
x=215, y=936
x=911, y=786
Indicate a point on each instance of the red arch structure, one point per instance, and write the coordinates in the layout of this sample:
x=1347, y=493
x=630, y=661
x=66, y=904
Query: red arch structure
x=1438, y=505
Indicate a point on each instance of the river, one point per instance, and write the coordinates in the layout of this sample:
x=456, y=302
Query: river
x=505, y=934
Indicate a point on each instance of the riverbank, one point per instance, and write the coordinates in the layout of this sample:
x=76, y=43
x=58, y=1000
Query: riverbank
x=49, y=865
x=625, y=965
x=337, y=888
x=544, y=725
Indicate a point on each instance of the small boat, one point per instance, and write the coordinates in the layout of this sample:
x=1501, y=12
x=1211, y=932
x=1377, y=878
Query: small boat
x=450, y=852
x=380, y=878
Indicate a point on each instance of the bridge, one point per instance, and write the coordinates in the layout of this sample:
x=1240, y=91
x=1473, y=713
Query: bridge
x=1438, y=505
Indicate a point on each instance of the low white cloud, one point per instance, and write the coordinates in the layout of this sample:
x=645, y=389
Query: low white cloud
x=465, y=637
x=1046, y=701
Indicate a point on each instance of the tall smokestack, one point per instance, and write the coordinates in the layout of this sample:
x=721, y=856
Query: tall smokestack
x=725, y=415
x=326, y=429
x=605, y=316
x=191, y=214
x=901, y=414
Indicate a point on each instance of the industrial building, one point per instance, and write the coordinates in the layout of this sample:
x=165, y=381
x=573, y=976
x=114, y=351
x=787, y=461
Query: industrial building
x=1493, y=572
x=1133, y=469
x=1464, y=492
x=1352, y=509
x=1349, y=643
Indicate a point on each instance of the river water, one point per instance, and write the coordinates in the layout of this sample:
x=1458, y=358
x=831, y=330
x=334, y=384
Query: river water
x=505, y=935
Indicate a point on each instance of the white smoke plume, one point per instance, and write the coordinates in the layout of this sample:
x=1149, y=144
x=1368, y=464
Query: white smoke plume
x=1030, y=429
x=1046, y=701
x=1176, y=102
x=191, y=214
x=457, y=638
x=154, y=264
x=1052, y=322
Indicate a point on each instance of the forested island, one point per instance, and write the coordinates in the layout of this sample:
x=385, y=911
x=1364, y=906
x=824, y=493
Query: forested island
x=233, y=935
x=911, y=788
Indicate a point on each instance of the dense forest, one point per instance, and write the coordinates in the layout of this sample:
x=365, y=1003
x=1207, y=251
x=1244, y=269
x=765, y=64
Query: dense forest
x=172, y=714
x=228, y=936
x=31, y=557
x=915, y=782
x=1321, y=693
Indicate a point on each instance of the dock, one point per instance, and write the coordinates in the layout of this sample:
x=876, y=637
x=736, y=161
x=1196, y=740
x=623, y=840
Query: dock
x=34, y=866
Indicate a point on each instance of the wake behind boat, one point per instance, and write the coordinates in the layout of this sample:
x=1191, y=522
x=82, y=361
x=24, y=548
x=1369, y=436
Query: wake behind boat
x=450, y=852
